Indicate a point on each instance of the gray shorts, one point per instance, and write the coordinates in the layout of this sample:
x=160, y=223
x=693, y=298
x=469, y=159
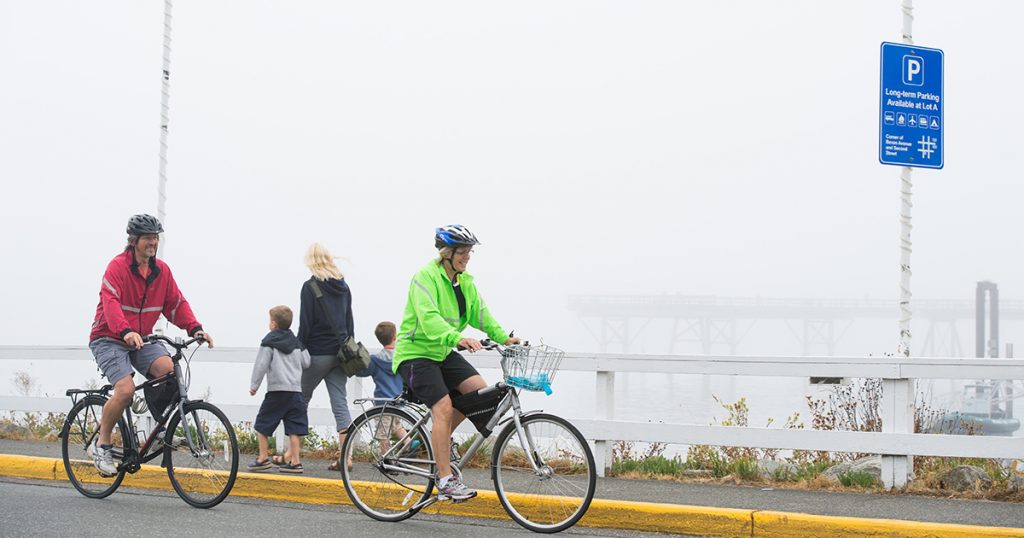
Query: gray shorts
x=116, y=359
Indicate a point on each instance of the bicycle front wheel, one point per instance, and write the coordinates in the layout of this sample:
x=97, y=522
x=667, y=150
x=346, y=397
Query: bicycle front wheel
x=556, y=495
x=386, y=484
x=201, y=454
x=81, y=430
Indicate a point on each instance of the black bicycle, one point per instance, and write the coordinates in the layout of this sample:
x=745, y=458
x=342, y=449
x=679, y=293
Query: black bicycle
x=195, y=438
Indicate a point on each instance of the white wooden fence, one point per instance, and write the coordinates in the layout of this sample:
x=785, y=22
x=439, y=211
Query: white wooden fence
x=896, y=442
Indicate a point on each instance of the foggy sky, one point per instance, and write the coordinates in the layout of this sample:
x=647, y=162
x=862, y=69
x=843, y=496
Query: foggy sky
x=713, y=148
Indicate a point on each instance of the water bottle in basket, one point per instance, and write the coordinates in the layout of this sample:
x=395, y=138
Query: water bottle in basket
x=531, y=367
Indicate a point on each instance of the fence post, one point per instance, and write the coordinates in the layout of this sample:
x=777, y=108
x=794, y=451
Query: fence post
x=281, y=441
x=897, y=415
x=605, y=410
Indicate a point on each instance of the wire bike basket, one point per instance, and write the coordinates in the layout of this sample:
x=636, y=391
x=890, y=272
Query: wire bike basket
x=531, y=367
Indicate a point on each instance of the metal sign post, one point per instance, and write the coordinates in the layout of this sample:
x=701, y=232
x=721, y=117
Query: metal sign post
x=910, y=135
x=910, y=128
x=165, y=97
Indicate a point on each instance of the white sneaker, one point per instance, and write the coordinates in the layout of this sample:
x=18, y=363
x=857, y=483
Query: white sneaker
x=103, y=458
x=454, y=489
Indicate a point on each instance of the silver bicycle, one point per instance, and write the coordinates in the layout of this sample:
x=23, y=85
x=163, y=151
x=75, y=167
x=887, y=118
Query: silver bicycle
x=542, y=468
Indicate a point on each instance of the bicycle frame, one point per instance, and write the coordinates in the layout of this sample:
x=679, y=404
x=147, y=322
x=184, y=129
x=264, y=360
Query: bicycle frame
x=509, y=401
x=135, y=455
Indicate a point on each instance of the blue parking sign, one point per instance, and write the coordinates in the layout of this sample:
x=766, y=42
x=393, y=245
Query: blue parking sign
x=910, y=115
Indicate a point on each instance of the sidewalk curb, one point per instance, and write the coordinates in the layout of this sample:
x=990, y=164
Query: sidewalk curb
x=628, y=515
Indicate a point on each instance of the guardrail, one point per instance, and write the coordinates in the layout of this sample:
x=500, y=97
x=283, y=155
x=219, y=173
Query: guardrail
x=896, y=442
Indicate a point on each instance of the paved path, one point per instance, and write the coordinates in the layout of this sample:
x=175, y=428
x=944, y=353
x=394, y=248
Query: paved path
x=156, y=513
x=907, y=507
x=860, y=505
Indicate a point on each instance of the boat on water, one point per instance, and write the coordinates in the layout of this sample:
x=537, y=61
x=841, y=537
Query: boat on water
x=982, y=413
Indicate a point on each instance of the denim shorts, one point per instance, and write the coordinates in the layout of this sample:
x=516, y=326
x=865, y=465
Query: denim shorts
x=116, y=359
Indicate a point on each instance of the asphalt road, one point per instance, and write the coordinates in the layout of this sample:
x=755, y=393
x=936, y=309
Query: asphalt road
x=47, y=508
x=826, y=503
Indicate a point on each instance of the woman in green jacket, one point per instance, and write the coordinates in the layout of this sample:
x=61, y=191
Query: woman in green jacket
x=442, y=301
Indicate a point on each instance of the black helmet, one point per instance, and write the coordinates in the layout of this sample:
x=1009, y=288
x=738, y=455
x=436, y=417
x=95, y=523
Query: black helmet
x=143, y=224
x=454, y=235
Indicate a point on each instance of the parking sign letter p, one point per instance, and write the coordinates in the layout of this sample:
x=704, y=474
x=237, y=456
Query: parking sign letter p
x=912, y=70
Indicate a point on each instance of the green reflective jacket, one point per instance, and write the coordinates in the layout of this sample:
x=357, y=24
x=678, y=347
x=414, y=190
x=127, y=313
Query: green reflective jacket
x=431, y=326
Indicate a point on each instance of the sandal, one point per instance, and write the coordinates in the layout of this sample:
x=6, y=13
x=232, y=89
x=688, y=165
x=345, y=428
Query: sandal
x=259, y=465
x=277, y=459
x=295, y=468
x=336, y=466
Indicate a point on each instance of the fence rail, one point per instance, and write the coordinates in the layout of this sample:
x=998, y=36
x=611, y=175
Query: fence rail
x=896, y=443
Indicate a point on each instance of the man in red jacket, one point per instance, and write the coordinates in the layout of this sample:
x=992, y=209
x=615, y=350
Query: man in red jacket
x=135, y=290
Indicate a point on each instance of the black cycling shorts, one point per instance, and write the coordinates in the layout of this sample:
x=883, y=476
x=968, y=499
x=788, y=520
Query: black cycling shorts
x=430, y=380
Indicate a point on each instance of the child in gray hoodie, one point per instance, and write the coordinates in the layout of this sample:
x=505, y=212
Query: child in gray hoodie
x=281, y=359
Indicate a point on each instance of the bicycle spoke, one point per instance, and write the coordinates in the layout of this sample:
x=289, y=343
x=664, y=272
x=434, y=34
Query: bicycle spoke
x=203, y=471
x=384, y=437
x=83, y=431
x=556, y=495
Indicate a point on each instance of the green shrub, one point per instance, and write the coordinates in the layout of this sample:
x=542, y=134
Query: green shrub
x=248, y=442
x=32, y=426
x=811, y=470
x=857, y=478
x=654, y=465
x=784, y=474
x=745, y=468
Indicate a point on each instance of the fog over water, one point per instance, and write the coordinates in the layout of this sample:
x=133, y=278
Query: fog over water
x=715, y=149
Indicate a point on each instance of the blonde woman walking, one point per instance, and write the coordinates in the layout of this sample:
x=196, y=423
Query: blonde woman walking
x=324, y=323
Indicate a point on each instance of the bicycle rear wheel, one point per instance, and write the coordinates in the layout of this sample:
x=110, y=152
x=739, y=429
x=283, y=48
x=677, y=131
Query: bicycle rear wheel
x=387, y=489
x=204, y=471
x=555, y=497
x=81, y=430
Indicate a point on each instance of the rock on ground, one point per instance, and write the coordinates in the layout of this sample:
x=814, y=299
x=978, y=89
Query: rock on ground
x=870, y=464
x=966, y=478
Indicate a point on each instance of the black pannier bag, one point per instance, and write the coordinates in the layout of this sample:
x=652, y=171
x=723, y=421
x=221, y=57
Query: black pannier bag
x=478, y=408
x=159, y=397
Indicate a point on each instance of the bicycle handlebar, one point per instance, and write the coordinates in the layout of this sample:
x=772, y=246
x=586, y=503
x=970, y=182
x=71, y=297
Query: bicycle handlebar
x=176, y=343
x=491, y=345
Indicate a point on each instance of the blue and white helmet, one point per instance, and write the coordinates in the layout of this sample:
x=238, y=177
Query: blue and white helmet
x=454, y=235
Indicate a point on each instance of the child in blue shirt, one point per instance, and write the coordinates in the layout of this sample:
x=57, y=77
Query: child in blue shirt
x=388, y=384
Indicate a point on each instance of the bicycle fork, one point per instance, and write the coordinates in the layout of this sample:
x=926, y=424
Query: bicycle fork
x=200, y=438
x=526, y=441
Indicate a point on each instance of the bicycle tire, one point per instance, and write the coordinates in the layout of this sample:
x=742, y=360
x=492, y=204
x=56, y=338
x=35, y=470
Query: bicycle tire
x=199, y=476
x=386, y=495
x=560, y=495
x=80, y=429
